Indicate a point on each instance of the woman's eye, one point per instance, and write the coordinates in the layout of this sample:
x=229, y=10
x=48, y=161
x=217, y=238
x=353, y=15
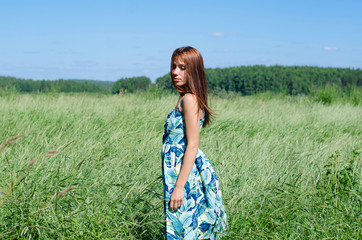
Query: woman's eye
x=182, y=67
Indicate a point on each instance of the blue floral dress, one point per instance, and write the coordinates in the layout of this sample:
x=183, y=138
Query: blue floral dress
x=202, y=215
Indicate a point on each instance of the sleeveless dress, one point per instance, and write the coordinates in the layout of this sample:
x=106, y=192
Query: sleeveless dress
x=202, y=214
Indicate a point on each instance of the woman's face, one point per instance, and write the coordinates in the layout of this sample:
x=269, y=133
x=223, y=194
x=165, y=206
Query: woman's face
x=178, y=70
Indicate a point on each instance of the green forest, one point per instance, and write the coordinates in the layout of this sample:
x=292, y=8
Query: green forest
x=131, y=84
x=245, y=80
x=61, y=85
x=292, y=80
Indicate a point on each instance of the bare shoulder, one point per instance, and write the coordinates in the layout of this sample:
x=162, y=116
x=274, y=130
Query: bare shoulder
x=190, y=99
x=189, y=104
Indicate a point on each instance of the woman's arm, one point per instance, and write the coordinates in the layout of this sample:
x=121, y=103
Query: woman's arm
x=190, y=110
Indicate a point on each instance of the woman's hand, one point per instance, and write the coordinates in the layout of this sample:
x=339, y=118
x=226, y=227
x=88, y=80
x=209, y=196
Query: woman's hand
x=177, y=198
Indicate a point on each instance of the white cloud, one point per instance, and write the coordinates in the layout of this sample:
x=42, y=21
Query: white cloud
x=327, y=48
x=217, y=34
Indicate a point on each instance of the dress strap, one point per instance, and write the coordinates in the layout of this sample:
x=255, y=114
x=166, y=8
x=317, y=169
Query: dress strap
x=179, y=103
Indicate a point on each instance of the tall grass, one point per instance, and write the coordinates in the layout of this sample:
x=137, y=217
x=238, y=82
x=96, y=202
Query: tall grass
x=333, y=93
x=289, y=167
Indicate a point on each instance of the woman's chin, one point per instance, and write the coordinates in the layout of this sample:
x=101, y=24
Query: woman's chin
x=179, y=84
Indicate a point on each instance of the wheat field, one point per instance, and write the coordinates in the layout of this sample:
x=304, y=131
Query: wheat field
x=88, y=166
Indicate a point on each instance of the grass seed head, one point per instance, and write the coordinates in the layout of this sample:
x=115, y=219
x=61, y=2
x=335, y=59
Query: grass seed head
x=16, y=137
x=31, y=164
x=51, y=152
x=65, y=191
x=11, y=140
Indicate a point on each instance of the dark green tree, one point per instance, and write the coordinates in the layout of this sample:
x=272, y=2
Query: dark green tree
x=131, y=84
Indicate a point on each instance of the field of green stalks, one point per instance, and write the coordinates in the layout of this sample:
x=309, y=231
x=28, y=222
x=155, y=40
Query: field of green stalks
x=83, y=166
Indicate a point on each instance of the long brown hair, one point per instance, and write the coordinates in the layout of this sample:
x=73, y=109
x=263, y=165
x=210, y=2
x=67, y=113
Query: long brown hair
x=196, y=82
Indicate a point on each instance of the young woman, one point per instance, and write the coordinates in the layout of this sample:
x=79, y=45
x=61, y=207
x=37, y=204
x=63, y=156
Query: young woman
x=193, y=203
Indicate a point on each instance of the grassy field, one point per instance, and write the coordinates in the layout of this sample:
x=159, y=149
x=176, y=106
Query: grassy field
x=89, y=166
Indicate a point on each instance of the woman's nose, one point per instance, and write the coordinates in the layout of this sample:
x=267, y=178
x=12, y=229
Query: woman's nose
x=175, y=72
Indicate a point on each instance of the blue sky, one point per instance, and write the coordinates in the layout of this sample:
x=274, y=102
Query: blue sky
x=109, y=40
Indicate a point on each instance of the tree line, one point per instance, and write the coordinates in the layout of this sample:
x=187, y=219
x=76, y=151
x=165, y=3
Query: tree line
x=29, y=85
x=246, y=80
x=131, y=85
x=291, y=80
